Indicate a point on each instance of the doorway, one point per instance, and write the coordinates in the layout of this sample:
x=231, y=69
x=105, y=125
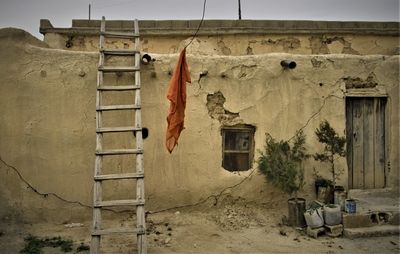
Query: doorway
x=365, y=129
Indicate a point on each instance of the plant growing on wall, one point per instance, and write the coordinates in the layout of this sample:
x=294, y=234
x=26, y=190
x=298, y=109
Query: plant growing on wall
x=281, y=163
x=333, y=147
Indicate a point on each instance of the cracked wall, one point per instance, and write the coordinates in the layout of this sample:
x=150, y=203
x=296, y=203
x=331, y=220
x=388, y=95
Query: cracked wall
x=47, y=124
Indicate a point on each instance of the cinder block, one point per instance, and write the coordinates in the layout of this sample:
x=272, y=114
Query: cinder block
x=315, y=232
x=334, y=231
x=356, y=220
x=395, y=220
x=372, y=231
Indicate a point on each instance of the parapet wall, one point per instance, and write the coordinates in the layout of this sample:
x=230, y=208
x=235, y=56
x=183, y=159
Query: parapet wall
x=237, y=37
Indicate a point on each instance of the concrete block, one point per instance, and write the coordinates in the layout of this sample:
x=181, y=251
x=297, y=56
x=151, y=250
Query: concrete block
x=315, y=232
x=356, y=220
x=371, y=231
x=334, y=231
x=395, y=219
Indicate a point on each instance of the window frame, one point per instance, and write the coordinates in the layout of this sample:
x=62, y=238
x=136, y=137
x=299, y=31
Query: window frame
x=250, y=129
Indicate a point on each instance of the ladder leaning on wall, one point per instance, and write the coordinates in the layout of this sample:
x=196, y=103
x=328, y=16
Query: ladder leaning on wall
x=98, y=231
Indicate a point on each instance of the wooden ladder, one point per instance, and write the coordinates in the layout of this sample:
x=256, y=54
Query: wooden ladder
x=98, y=204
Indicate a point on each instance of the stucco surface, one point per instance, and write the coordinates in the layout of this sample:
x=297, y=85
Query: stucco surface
x=47, y=123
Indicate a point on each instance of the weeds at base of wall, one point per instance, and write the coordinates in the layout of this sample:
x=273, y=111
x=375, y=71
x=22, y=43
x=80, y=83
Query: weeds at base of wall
x=34, y=245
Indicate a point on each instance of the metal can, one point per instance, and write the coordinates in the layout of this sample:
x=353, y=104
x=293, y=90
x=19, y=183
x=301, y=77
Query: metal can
x=350, y=206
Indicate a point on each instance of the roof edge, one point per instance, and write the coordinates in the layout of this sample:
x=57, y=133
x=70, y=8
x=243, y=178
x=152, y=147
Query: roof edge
x=212, y=27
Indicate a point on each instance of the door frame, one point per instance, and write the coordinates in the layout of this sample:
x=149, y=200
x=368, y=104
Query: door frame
x=356, y=93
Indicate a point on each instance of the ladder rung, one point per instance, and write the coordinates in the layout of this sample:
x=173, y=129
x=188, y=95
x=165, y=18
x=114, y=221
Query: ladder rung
x=117, y=107
x=119, y=68
x=120, y=35
x=130, y=202
x=119, y=52
x=118, y=176
x=119, y=151
x=118, y=231
x=118, y=129
x=117, y=88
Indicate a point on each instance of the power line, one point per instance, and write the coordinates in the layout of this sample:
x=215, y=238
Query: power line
x=201, y=22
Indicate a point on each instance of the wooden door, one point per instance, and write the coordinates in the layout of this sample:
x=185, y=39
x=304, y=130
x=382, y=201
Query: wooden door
x=365, y=128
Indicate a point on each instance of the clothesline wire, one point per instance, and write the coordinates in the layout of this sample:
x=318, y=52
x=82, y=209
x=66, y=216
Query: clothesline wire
x=201, y=22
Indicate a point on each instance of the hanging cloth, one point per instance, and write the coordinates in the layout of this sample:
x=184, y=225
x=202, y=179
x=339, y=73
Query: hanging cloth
x=177, y=96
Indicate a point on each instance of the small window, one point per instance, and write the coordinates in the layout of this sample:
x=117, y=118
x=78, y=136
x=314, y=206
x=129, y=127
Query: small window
x=237, y=147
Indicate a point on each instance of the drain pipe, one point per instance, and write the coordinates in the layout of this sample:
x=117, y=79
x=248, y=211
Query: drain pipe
x=288, y=64
x=146, y=59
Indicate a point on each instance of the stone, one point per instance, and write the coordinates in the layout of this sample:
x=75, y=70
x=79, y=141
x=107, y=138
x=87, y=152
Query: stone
x=315, y=232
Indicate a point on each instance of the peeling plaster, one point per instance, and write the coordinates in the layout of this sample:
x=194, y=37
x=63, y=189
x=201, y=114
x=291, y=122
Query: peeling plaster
x=224, y=49
x=216, y=110
x=244, y=71
x=286, y=43
x=325, y=45
x=357, y=82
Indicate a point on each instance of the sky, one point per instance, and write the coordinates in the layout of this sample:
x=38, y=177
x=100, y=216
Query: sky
x=26, y=14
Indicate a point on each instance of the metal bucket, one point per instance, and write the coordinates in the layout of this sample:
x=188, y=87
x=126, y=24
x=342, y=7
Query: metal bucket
x=350, y=206
x=340, y=196
x=297, y=207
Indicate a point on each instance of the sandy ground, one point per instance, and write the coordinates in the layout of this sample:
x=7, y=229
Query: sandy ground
x=229, y=227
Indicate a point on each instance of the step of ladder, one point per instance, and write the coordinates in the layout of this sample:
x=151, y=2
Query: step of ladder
x=118, y=176
x=118, y=88
x=119, y=52
x=118, y=231
x=118, y=68
x=128, y=202
x=122, y=35
x=117, y=107
x=119, y=151
x=118, y=129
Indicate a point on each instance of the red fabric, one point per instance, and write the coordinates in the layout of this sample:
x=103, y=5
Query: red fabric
x=177, y=96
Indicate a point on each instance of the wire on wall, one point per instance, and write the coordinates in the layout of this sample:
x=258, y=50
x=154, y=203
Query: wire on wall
x=201, y=22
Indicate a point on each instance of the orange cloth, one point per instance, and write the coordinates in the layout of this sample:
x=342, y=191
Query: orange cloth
x=177, y=96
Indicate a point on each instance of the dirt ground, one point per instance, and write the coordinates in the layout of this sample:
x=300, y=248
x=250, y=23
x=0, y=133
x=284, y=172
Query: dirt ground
x=229, y=227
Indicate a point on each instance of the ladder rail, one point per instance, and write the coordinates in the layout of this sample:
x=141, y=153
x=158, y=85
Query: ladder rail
x=97, y=191
x=140, y=212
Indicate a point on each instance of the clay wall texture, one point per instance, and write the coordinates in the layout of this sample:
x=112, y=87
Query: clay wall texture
x=47, y=115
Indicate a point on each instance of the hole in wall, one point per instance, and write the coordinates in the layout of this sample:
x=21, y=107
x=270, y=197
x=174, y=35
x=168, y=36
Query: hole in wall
x=384, y=217
x=68, y=43
x=374, y=218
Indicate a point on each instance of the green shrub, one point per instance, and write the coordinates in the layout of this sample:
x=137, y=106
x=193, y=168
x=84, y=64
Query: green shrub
x=281, y=162
x=34, y=245
x=333, y=147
